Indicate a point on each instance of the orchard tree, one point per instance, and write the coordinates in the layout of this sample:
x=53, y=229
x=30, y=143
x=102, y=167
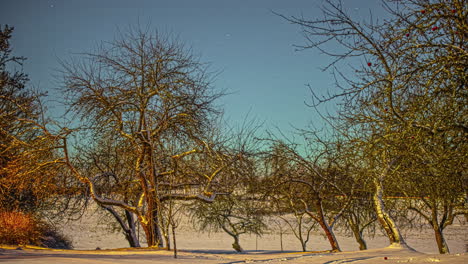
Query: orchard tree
x=284, y=196
x=407, y=96
x=156, y=100
x=242, y=209
x=359, y=217
x=344, y=151
x=111, y=169
x=438, y=178
x=291, y=211
x=312, y=184
x=233, y=214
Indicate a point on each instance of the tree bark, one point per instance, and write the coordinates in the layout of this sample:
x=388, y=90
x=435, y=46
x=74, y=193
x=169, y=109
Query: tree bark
x=128, y=228
x=441, y=243
x=433, y=219
x=147, y=231
x=360, y=240
x=303, y=244
x=152, y=234
x=330, y=235
x=165, y=231
x=299, y=235
x=439, y=228
x=281, y=240
x=130, y=234
x=357, y=234
x=174, y=240
x=393, y=233
x=326, y=228
x=236, y=245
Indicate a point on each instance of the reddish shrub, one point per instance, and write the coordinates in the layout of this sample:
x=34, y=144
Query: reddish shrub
x=17, y=228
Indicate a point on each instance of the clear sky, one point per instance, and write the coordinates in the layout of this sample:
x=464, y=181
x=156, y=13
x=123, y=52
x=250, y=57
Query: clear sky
x=250, y=46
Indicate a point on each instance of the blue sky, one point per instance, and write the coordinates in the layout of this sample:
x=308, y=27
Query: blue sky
x=250, y=46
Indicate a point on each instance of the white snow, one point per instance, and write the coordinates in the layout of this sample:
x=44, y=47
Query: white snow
x=92, y=231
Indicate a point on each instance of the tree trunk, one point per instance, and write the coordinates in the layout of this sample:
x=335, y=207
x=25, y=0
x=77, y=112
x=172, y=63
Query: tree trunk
x=165, y=232
x=130, y=234
x=393, y=233
x=326, y=228
x=156, y=236
x=303, y=245
x=132, y=240
x=152, y=234
x=301, y=239
x=360, y=240
x=439, y=228
x=174, y=240
x=236, y=245
x=148, y=234
x=433, y=220
x=128, y=228
x=441, y=243
x=281, y=240
x=357, y=234
x=330, y=236
x=168, y=241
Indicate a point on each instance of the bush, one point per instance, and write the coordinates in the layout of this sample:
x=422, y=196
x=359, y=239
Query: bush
x=18, y=228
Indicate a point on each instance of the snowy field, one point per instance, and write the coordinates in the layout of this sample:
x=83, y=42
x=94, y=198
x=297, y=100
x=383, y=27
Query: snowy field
x=88, y=233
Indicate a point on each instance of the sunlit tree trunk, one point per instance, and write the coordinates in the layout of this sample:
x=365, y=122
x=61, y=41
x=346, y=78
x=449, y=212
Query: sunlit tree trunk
x=386, y=221
x=438, y=220
x=441, y=243
x=439, y=227
x=330, y=236
x=152, y=234
x=326, y=227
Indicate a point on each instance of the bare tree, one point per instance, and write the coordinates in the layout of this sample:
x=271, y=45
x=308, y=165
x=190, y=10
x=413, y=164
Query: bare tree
x=234, y=214
x=151, y=94
x=358, y=217
x=110, y=168
x=278, y=222
x=406, y=92
x=315, y=185
x=300, y=224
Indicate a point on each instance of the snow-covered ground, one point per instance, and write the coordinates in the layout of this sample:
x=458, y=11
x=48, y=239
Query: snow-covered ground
x=92, y=231
x=385, y=255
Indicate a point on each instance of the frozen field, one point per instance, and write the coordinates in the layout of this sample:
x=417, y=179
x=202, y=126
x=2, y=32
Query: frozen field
x=87, y=234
